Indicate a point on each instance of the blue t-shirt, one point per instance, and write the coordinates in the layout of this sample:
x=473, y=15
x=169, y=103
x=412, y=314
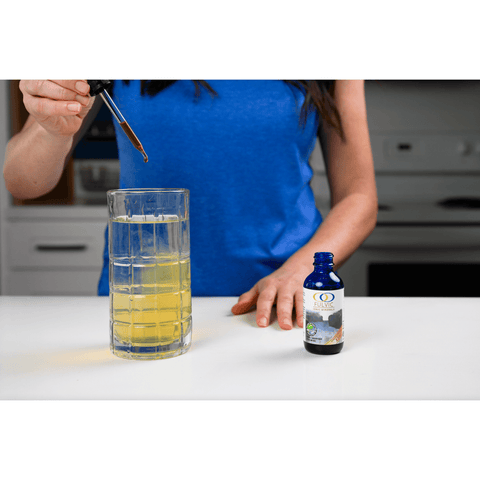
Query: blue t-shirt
x=244, y=157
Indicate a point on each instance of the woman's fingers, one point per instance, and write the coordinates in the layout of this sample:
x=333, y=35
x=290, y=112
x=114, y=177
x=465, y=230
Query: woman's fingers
x=58, y=105
x=246, y=301
x=261, y=295
x=46, y=98
x=44, y=107
x=285, y=308
x=55, y=89
x=299, y=307
x=283, y=287
x=265, y=301
x=286, y=292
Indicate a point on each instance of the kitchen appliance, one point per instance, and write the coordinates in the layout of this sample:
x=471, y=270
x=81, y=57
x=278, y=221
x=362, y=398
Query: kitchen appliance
x=95, y=165
x=92, y=179
x=425, y=140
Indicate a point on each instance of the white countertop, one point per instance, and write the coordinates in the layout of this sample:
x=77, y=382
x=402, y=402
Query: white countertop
x=395, y=348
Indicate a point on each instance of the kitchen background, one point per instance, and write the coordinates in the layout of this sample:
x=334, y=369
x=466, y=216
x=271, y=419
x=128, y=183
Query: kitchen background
x=426, y=145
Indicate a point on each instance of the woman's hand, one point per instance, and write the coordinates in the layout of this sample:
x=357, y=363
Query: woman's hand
x=59, y=106
x=283, y=287
x=35, y=157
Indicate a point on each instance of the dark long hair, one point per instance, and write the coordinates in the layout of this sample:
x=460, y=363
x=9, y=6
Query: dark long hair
x=319, y=94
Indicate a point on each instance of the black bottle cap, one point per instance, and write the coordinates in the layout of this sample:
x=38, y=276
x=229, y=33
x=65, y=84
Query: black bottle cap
x=98, y=86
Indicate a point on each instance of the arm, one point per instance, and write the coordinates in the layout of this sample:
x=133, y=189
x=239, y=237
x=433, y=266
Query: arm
x=351, y=178
x=36, y=156
x=351, y=220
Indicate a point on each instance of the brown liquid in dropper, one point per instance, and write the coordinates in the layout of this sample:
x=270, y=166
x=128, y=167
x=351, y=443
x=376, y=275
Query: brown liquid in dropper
x=133, y=138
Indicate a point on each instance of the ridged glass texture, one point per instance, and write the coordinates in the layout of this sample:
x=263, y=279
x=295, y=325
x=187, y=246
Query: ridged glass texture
x=149, y=255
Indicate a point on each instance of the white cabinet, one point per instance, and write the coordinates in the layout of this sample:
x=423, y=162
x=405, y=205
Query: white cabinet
x=53, y=282
x=52, y=250
x=55, y=244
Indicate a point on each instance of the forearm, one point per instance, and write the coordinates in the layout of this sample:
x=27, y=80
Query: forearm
x=351, y=178
x=34, y=161
x=343, y=230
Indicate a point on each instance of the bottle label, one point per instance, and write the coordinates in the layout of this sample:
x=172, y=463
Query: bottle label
x=322, y=316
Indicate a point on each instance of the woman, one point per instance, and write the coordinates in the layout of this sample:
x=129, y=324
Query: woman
x=242, y=149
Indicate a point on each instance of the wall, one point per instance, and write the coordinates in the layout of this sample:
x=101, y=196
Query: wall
x=4, y=199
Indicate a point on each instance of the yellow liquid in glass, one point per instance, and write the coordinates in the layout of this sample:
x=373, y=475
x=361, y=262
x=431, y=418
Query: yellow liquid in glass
x=150, y=302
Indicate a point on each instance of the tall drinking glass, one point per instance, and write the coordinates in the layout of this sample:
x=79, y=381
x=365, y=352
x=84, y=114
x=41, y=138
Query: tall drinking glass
x=149, y=276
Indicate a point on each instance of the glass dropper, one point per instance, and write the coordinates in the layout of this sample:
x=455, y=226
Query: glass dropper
x=98, y=87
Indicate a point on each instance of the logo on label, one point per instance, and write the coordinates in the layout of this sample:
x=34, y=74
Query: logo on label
x=311, y=329
x=324, y=297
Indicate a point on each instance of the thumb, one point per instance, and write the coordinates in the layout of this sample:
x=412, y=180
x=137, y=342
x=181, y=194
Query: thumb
x=246, y=301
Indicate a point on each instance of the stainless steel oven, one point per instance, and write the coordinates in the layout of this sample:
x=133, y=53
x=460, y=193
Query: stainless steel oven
x=426, y=145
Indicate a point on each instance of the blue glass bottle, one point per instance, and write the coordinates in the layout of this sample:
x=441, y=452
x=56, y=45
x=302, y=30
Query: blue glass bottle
x=323, y=292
